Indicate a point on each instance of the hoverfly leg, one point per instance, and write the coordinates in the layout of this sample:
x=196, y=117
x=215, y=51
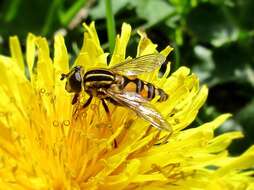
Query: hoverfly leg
x=105, y=106
x=75, y=102
x=164, y=140
x=78, y=108
x=75, y=99
x=87, y=102
x=115, y=143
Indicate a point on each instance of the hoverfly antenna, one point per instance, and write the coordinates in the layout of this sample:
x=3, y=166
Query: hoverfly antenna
x=63, y=76
x=77, y=68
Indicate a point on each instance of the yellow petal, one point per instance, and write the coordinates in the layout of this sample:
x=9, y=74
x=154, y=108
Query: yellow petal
x=30, y=52
x=125, y=177
x=166, y=51
x=242, y=162
x=16, y=52
x=91, y=44
x=145, y=45
x=121, y=45
x=223, y=141
x=61, y=57
x=44, y=65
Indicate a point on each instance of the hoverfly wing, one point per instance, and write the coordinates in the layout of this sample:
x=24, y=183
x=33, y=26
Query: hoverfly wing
x=139, y=65
x=142, y=107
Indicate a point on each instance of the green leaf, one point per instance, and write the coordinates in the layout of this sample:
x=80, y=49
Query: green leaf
x=24, y=17
x=12, y=10
x=154, y=11
x=243, y=13
x=245, y=117
x=183, y=6
x=211, y=24
x=98, y=12
x=232, y=63
x=205, y=64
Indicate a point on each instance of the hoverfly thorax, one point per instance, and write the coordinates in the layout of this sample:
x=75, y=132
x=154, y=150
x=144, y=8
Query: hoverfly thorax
x=74, y=79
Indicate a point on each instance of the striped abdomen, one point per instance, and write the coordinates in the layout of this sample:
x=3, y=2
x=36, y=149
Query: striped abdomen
x=145, y=89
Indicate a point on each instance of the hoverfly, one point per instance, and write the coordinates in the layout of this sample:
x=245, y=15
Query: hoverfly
x=120, y=86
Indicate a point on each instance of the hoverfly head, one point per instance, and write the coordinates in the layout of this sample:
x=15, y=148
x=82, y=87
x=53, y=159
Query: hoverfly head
x=74, y=79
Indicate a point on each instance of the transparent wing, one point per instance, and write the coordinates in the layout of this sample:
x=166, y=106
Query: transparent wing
x=142, y=107
x=139, y=65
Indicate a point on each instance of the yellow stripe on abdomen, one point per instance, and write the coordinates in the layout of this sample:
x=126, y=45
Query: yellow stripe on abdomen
x=130, y=87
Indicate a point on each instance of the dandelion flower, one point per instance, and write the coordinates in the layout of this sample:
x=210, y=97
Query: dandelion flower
x=43, y=147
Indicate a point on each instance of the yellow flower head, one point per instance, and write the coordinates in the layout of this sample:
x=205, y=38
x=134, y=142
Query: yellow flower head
x=42, y=146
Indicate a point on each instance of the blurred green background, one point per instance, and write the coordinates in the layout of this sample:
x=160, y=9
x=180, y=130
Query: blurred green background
x=212, y=37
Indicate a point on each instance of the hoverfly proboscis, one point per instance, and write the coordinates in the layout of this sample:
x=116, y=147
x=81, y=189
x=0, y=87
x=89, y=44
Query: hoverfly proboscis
x=120, y=86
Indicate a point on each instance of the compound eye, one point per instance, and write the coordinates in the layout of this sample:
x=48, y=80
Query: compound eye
x=77, y=77
x=74, y=82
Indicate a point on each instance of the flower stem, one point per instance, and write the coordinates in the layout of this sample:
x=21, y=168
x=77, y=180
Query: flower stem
x=51, y=15
x=67, y=15
x=110, y=25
